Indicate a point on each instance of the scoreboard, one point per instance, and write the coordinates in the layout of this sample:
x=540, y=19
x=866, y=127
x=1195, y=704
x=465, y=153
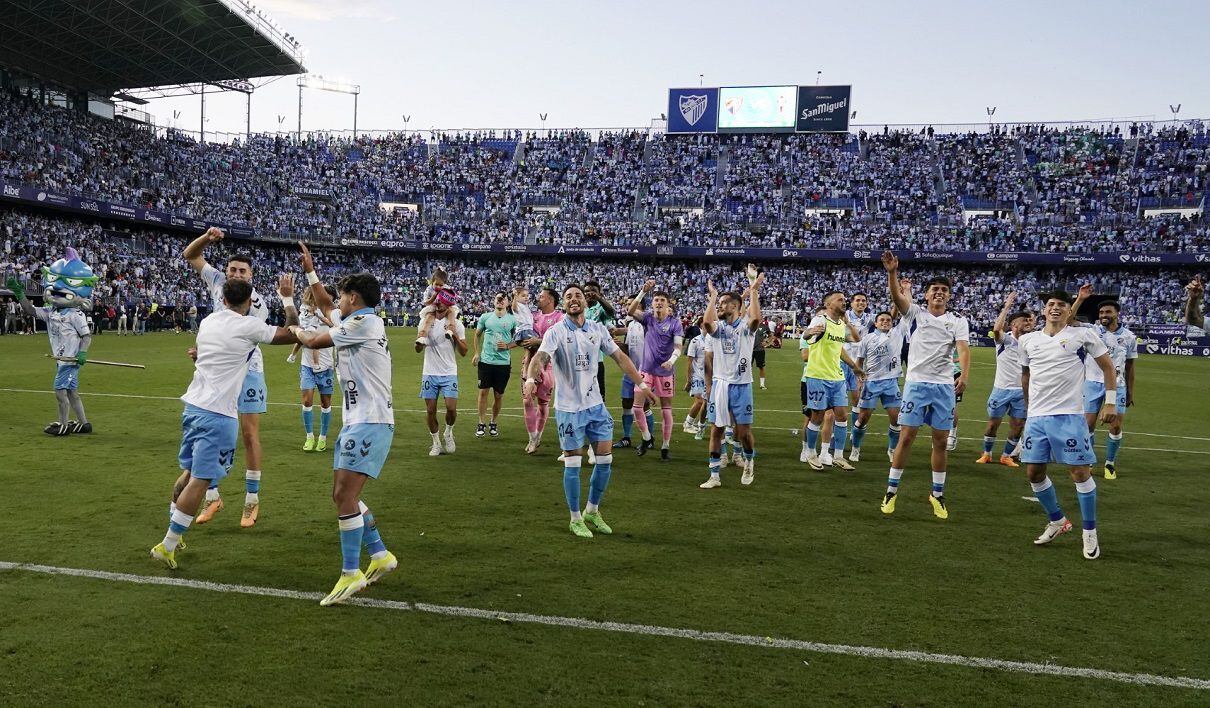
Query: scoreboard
x=759, y=109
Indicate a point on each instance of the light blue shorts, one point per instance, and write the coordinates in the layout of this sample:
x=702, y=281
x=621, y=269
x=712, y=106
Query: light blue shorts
x=1057, y=438
x=1094, y=397
x=252, y=398
x=850, y=379
x=67, y=377
x=823, y=394
x=310, y=379
x=930, y=404
x=697, y=388
x=1006, y=400
x=884, y=391
x=363, y=448
x=591, y=426
x=627, y=387
x=739, y=406
x=433, y=386
x=207, y=443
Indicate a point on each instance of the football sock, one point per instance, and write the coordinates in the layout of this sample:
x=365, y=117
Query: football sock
x=325, y=420
x=938, y=483
x=1086, y=494
x=762, y=382
x=599, y=480
x=627, y=421
x=650, y=420
x=308, y=417
x=178, y=524
x=812, y=436
x=352, y=528
x=1111, y=447
x=989, y=442
x=642, y=421
x=370, y=537
x=571, y=483
x=892, y=481
x=892, y=433
x=716, y=462
x=859, y=435
x=749, y=455
x=436, y=438
x=1010, y=445
x=212, y=491
x=1045, y=492
x=251, y=486
x=531, y=417
x=840, y=431
x=853, y=417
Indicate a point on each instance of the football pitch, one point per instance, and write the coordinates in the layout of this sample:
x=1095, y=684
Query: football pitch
x=795, y=590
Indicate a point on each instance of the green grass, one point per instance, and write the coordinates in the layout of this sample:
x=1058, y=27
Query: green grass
x=799, y=555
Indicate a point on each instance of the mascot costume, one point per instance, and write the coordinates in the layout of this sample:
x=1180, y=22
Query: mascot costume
x=67, y=294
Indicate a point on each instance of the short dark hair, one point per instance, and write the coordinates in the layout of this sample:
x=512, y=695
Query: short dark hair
x=1018, y=315
x=661, y=293
x=589, y=284
x=731, y=294
x=859, y=293
x=884, y=312
x=569, y=286
x=242, y=258
x=237, y=292
x=1057, y=294
x=553, y=295
x=939, y=280
x=332, y=292
x=1117, y=306
x=830, y=293
x=364, y=285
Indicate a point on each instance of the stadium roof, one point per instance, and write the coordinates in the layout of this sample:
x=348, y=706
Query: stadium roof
x=107, y=45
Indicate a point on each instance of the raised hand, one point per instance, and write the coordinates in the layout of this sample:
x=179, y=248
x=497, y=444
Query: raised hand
x=649, y=285
x=285, y=286
x=760, y=280
x=711, y=289
x=308, y=265
x=1085, y=291
x=1010, y=299
x=890, y=261
x=213, y=234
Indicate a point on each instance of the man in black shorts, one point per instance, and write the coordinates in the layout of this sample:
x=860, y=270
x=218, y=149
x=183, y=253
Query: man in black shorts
x=758, y=350
x=494, y=340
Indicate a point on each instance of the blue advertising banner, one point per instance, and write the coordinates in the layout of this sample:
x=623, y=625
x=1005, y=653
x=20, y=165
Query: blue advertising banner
x=823, y=109
x=1174, y=345
x=692, y=110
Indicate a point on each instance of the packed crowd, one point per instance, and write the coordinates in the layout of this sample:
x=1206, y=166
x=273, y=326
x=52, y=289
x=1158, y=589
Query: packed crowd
x=1045, y=188
x=145, y=268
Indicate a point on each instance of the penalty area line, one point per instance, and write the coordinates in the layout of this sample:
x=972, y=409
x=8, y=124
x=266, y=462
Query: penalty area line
x=1022, y=667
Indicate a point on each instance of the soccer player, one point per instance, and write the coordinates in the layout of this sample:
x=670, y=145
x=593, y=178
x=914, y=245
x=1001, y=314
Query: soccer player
x=314, y=373
x=1123, y=348
x=537, y=406
x=695, y=385
x=1052, y=375
x=439, y=375
x=1195, y=319
x=1007, y=396
x=879, y=356
x=929, y=387
x=863, y=321
x=494, y=361
x=730, y=373
x=663, y=338
x=951, y=439
x=573, y=348
x=758, y=351
x=367, y=421
x=633, y=346
x=824, y=387
x=225, y=340
x=253, y=394
x=599, y=310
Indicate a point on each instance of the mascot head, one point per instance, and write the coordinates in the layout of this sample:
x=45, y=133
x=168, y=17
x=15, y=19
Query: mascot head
x=68, y=282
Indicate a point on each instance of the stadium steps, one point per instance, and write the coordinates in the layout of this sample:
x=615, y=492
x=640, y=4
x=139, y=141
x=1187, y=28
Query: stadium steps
x=590, y=157
x=519, y=154
x=720, y=169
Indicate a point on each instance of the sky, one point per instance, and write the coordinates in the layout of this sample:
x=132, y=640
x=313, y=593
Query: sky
x=457, y=64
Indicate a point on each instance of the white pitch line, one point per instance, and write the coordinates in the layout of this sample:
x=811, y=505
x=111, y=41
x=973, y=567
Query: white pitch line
x=1025, y=667
x=875, y=433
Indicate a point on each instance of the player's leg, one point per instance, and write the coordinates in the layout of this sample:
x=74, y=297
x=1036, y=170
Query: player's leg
x=346, y=495
x=430, y=416
x=325, y=414
x=893, y=429
x=485, y=383
x=497, y=406
x=1015, y=428
x=206, y=454
x=249, y=427
x=811, y=431
x=308, y=411
x=666, y=423
x=837, y=398
x=1086, y=495
x=939, y=459
x=1115, y=437
x=989, y=437
x=718, y=419
x=1044, y=491
x=860, y=426
x=627, y=412
x=640, y=400
x=572, y=429
x=451, y=416
x=599, y=433
x=898, y=462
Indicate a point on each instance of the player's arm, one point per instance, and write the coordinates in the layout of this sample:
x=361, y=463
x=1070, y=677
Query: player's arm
x=1084, y=293
x=460, y=343
x=323, y=301
x=1025, y=383
x=678, y=344
x=478, y=345
x=844, y=356
x=1193, y=305
x=627, y=366
x=708, y=367
x=1002, y=318
x=754, y=303
x=309, y=340
x=193, y=253
x=608, y=308
x=688, y=371
x=710, y=316
x=891, y=263
x=852, y=334
x=1129, y=382
x=1109, y=412
x=964, y=361
x=804, y=348
x=635, y=309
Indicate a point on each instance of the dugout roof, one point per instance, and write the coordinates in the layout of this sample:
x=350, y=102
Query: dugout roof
x=107, y=45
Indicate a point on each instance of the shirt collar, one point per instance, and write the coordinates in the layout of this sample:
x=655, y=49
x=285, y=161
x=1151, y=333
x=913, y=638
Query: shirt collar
x=572, y=325
x=362, y=311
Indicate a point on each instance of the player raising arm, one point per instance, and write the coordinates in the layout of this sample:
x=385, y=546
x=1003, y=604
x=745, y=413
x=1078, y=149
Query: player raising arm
x=1007, y=396
x=367, y=420
x=1052, y=376
x=1194, y=319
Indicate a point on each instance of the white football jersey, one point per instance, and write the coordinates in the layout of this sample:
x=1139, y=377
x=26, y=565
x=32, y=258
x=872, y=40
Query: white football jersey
x=440, y=352
x=1056, y=369
x=1008, y=362
x=863, y=323
x=365, y=367
x=574, y=352
x=882, y=352
x=731, y=345
x=1122, y=345
x=66, y=327
x=697, y=351
x=226, y=341
x=317, y=359
x=933, y=343
x=214, y=280
x=635, y=341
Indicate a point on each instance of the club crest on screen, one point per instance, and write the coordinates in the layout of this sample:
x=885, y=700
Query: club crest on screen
x=693, y=108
